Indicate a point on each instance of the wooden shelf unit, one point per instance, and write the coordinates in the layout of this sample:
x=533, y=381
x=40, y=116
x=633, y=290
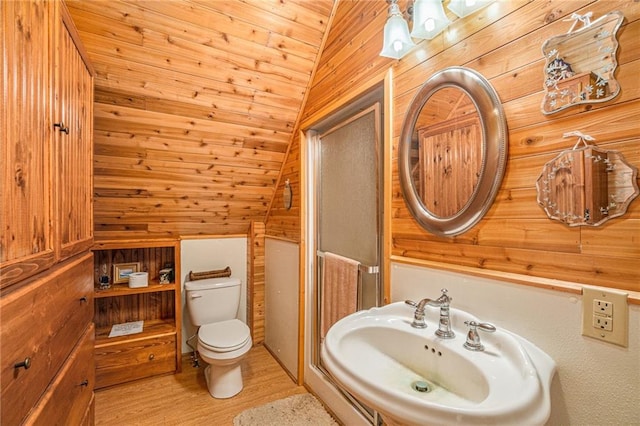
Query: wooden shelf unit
x=157, y=349
x=124, y=290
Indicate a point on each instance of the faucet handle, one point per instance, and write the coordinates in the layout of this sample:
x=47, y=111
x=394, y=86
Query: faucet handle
x=484, y=326
x=473, y=342
x=444, y=296
x=418, y=315
x=411, y=303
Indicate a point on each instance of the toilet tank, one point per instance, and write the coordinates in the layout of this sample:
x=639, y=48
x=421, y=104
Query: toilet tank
x=212, y=300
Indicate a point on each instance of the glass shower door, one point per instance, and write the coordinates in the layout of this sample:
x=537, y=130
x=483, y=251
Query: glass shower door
x=348, y=213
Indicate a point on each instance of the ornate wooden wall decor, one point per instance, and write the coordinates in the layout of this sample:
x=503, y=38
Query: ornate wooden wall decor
x=586, y=185
x=581, y=64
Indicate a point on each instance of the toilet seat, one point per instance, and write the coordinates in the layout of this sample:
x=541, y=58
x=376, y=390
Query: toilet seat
x=224, y=336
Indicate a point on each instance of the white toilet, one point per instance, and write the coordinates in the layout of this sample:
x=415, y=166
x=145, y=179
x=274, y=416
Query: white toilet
x=223, y=340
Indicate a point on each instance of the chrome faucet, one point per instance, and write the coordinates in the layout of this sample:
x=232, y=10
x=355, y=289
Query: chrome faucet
x=444, y=325
x=418, y=315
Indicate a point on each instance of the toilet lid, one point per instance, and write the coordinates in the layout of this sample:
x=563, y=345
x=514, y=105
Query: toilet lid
x=224, y=336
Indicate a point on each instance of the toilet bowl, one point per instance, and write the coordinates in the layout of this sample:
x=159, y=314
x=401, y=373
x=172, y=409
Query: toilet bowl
x=222, y=346
x=223, y=340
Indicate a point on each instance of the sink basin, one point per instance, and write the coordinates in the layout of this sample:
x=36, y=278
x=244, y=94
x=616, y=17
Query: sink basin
x=412, y=377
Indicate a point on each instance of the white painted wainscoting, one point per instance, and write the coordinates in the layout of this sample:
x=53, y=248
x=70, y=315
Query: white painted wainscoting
x=596, y=383
x=199, y=255
x=281, y=301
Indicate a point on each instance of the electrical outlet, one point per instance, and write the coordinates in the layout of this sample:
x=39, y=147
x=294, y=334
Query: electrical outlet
x=603, y=322
x=603, y=307
x=605, y=315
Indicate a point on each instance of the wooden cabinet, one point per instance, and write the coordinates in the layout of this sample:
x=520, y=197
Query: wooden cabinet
x=47, y=158
x=42, y=323
x=157, y=349
x=46, y=266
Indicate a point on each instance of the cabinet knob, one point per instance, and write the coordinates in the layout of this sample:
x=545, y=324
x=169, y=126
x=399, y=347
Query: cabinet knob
x=62, y=127
x=83, y=299
x=85, y=382
x=23, y=364
x=151, y=357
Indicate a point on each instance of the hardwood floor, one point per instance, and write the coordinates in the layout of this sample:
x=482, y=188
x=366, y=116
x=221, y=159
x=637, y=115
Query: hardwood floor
x=183, y=399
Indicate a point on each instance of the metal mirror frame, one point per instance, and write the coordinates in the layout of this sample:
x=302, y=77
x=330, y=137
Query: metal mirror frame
x=494, y=150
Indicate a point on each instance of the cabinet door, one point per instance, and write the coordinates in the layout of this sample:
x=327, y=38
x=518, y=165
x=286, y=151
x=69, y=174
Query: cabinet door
x=26, y=244
x=74, y=160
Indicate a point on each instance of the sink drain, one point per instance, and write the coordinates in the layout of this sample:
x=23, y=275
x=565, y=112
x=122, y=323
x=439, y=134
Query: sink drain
x=420, y=386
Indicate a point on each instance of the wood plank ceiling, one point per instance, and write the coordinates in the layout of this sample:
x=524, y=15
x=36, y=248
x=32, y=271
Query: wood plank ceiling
x=195, y=106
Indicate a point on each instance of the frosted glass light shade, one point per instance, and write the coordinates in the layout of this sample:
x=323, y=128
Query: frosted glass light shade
x=397, y=41
x=429, y=19
x=463, y=8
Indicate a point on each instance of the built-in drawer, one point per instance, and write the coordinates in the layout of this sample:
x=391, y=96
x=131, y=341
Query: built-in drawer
x=134, y=359
x=90, y=414
x=42, y=322
x=70, y=394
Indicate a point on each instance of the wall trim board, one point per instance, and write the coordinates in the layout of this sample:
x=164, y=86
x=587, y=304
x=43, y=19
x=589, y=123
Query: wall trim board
x=211, y=236
x=361, y=88
x=287, y=240
x=546, y=283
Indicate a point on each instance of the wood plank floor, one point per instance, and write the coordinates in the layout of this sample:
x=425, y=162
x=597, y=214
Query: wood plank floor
x=183, y=399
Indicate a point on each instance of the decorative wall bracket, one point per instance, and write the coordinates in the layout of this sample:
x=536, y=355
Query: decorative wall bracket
x=586, y=185
x=580, y=65
x=287, y=195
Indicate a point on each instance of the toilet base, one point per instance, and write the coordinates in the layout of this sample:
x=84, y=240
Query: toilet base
x=224, y=381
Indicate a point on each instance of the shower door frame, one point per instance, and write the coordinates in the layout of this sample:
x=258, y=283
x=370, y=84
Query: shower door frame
x=315, y=140
x=312, y=138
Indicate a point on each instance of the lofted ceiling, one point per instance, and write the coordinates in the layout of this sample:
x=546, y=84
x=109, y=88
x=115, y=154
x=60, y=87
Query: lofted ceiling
x=195, y=106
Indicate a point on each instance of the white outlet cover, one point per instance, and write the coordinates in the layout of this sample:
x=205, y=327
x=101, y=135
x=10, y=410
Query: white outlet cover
x=619, y=333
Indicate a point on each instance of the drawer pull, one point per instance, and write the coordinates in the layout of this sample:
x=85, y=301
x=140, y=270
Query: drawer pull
x=85, y=382
x=151, y=357
x=62, y=127
x=24, y=364
x=83, y=299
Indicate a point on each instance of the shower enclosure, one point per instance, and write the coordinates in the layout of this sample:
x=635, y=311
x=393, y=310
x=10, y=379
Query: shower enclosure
x=344, y=205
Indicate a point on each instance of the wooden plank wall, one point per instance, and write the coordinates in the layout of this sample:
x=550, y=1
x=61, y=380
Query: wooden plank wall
x=283, y=223
x=503, y=42
x=151, y=259
x=256, y=281
x=195, y=106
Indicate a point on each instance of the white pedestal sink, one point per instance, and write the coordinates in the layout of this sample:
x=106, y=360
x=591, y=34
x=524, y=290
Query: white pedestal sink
x=412, y=377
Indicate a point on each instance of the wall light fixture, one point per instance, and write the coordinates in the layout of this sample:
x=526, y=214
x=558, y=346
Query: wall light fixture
x=463, y=8
x=397, y=41
x=429, y=20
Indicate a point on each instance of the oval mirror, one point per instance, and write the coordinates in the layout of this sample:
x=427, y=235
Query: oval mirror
x=452, y=151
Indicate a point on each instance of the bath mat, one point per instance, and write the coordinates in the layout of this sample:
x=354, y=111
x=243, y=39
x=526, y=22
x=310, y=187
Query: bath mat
x=296, y=410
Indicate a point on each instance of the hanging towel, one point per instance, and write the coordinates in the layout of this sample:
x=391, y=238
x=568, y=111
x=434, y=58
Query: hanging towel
x=339, y=290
